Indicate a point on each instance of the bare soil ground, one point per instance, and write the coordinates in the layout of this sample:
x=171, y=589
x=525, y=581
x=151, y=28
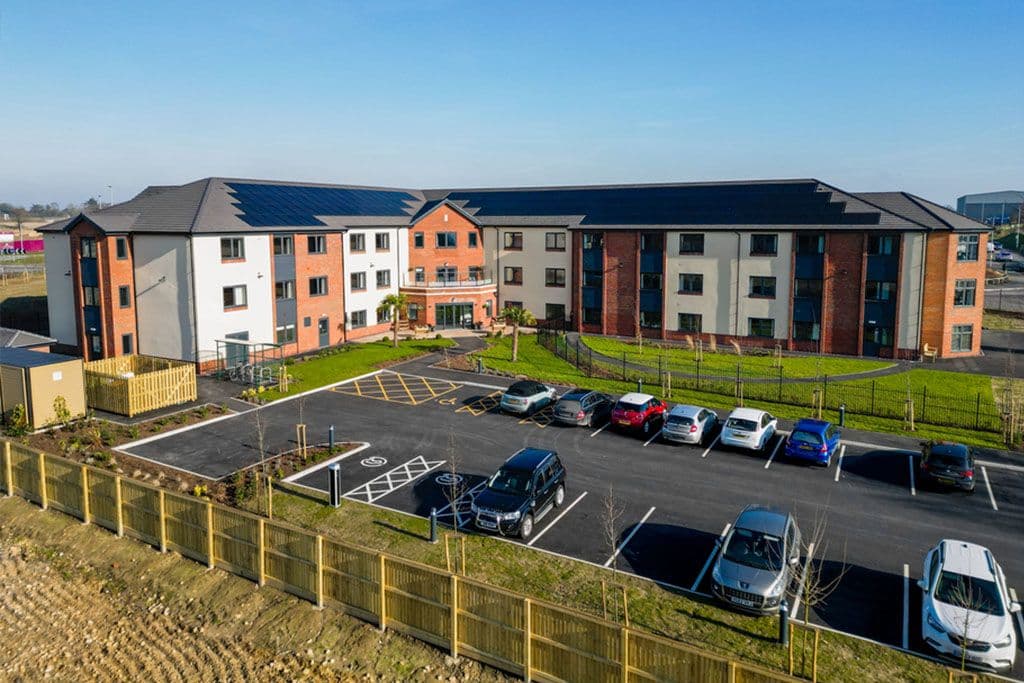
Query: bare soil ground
x=77, y=603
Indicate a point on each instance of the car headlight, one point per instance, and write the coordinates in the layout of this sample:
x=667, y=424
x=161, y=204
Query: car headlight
x=716, y=574
x=1005, y=642
x=473, y=508
x=511, y=516
x=934, y=623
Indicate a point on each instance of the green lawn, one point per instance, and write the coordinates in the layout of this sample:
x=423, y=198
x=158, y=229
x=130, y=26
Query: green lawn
x=352, y=360
x=1004, y=322
x=725, y=363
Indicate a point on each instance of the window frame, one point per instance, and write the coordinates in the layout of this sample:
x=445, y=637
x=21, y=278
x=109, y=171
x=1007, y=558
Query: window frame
x=283, y=245
x=285, y=328
x=472, y=240
x=751, y=321
x=387, y=280
x=691, y=251
x=382, y=238
x=880, y=286
x=234, y=290
x=699, y=279
x=127, y=344
x=513, y=271
x=818, y=287
x=318, y=279
x=768, y=284
x=551, y=277
x=289, y=288
x=774, y=236
x=815, y=331
x=446, y=234
x=961, y=288
x=234, y=254
x=819, y=246
x=121, y=248
x=357, y=243
x=513, y=241
x=547, y=314
x=660, y=277
x=551, y=240
x=692, y=316
x=124, y=296
x=956, y=336
x=94, y=299
x=352, y=319
x=592, y=240
x=316, y=244
x=968, y=246
x=419, y=274
x=357, y=281
x=645, y=324
x=87, y=247
x=418, y=240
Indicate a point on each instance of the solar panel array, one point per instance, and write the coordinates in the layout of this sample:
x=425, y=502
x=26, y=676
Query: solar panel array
x=266, y=205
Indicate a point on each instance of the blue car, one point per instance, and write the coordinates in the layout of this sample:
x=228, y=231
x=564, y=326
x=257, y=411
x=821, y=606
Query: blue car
x=813, y=440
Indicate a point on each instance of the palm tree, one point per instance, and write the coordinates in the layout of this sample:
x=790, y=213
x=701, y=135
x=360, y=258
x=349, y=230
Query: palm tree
x=516, y=316
x=396, y=304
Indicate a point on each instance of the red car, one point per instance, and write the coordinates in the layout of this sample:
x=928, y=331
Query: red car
x=638, y=412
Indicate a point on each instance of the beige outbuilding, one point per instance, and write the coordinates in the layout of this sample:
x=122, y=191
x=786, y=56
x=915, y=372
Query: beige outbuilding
x=35, y=379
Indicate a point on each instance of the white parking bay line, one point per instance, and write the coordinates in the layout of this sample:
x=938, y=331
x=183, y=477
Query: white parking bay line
x=628, y=538
x=906, y=606
x=839, y=464
x=712, y=445
x=1020, y=616
x=606, y=426
x=774, y=451
x=656, y=435
x=910, y=467
x=393, y=479
x=803, y=579
x=711, y=557
x=991, y=498
x=555, y=520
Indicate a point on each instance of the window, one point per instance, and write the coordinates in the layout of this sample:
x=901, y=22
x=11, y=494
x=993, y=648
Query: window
x=514, y=241
x=417, y=240
x=382, y=241
x=650, y=241
x=413, y=312
x=283, y=245
x=690, y=323
x=691, y=243
x=384, y=315
x=593, y=240
x=234, y=297
x=963, y=337
x=761, y=327
x=762, y=287
x=553, y=277
x=476, y=273
x=592, y=316
x=554, y=311
x=691, y=283
x=316, y=244
x=592, y=278
x=127, y=344
x=554, y=241
x=232, y=249
x=357, y=281
x=806, y=289
x=803, y=331
x=881, y=245
x=878, y=335
x=124, y=296
x=963, y=293
x=489, y=308
x=650, y=319
x=358, y=319
x=96, y=344
x=317, y=286
x=357, y=242
x=90, y=296
x=419, y=274
x=88, y=246
x=285, y=334
x=514, y=304
x=810, y=244
x=513, y=276
x=471, y=240
x=284, y=290
x=764, y=245
x=879, y=291
x=966, y=248
x=383, y=278
x=447, y=274
x=121, y=247
x=446, y=240
x=650, y=281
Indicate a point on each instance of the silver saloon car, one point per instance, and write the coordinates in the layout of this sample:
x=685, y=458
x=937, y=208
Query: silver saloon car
x=690, y=424
x=759, y=560
x=526, y=397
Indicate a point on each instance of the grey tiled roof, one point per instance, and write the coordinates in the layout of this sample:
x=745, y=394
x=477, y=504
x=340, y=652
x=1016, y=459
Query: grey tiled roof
x=921, y=211
x=21, y=338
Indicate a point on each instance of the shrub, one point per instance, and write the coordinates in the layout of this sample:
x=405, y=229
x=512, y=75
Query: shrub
x=278, y=472
x=203, y=411
x=438, y=336
x=133, y=432
x=61, y=412
x=200, y=491
x=107, y=437
x=17, y=421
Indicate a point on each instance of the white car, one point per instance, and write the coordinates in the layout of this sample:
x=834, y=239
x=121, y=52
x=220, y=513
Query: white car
x=749, y=428
x=966, y=604
x=527, y=397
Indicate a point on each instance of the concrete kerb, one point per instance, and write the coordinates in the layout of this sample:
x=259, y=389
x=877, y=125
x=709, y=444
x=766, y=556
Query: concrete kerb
x=326, y=463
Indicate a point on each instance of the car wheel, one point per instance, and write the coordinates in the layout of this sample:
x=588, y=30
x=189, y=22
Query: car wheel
x=559, y=496
x=526, y=528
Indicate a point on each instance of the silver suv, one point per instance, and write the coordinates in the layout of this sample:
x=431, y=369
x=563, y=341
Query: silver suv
x=759, y=560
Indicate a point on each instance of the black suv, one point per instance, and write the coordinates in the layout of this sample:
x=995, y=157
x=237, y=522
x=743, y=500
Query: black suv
x=528, y=486
x=945, y=463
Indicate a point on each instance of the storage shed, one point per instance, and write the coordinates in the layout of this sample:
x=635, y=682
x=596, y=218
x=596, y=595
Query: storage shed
x=34, y=379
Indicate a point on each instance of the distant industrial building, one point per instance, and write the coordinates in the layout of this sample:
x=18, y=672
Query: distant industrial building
x=993, y=208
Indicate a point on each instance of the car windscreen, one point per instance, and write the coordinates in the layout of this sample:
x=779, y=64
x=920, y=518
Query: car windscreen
x=977, y=595
x=622, y=405
x=522, y=389
x=680, y=420
x=755, y=549
x=806, y=437
x=737, y=423
x=947, y=459
x=511, y=481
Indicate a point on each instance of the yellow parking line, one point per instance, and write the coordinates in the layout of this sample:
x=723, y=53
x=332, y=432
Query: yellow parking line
x=359, y=389
x=427, y=385
x=407, y=391
x=382, y=389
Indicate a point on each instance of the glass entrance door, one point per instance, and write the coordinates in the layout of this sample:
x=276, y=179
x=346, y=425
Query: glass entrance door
x=447, y=316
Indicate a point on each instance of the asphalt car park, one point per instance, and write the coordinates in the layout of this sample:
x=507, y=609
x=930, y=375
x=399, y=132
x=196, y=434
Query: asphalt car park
x=434, y=441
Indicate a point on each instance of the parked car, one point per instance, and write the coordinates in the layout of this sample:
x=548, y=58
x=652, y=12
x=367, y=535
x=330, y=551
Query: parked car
x=528, y=486
x=749, y=428
x=1004, y=255
x=1013, y=266
x=584, y=407
x=759, y=560
x=945, y=463
x=814, y=440
x=526, y=397
x=639, y=412
x=690, y=424
x=966, y=604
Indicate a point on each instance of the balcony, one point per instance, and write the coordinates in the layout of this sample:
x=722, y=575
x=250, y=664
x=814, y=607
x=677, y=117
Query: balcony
x=477, y=277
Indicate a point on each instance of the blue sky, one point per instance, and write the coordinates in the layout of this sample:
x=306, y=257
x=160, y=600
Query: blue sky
x=919, y=96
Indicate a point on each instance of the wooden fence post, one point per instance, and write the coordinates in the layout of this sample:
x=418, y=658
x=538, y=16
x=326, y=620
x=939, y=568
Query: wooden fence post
x=814, y=658
x=209, y=535
x=163, y=522
x=119, y=504
x=261, y=565
x=625, y=654
x=383, y=593
x=8, y=470
x=455, y=614
x=527, y=641
x=792, y=635
x=732, y=672
x=86, y=512
x=319, y=571
x=42, y=480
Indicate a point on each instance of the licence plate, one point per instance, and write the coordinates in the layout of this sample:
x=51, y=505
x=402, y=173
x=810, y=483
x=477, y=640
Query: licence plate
x=745, y=603
x=945, y=480
x=625, y=422
x=487, y=525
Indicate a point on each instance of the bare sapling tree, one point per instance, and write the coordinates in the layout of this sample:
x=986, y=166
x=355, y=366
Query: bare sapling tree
x=612, y=510
x=817, y=582
x=453, y=483
x=974, y=609
x=300, y=427
x=260, y=432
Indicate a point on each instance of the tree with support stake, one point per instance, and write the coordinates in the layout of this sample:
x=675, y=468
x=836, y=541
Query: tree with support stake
x=396, y=306
x=516, y=317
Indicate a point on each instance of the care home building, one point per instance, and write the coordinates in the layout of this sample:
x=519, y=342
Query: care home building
x=177, y=270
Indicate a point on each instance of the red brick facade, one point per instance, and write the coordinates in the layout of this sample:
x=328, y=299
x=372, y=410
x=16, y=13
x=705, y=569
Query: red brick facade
x=621, y=282
x=842, y=296
x=331, y=305
x=939, y=314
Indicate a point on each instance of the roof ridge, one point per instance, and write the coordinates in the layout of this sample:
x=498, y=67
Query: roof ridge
x=201, y=203
x=615, y=186
x=859, y=195
x=915, y=199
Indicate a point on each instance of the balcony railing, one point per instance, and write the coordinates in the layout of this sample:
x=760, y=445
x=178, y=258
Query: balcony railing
x=462, y=279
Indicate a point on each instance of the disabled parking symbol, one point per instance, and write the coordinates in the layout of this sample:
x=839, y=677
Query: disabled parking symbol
x=449, y=479
x=373, y=461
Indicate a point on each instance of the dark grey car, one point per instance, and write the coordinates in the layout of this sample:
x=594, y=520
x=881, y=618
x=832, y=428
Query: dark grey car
x=759, y=560
x=584, y=407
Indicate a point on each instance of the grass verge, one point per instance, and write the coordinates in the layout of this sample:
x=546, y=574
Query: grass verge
x=1003, y=322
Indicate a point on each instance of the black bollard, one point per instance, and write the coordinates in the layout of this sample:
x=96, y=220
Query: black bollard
x=433, y=525
x=842, y=414
x=784, y=622
x=334, y=484
x=639, y=385
x=330, y=439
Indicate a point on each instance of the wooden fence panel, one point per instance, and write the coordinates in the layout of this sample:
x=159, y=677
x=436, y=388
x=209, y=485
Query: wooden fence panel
x=655, y=659
x=103, y=499
x=64, y=486
x=185, y=525
x=236, y=542
x=418, y=600
x=154, y=383
x=491, y=625
x=25, y=471
x=291, y=560
x=140, y=507
x=574, y=647
x=352, y=578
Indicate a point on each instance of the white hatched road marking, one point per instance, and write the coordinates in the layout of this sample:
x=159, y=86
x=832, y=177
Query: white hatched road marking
x=906, y=606
x=839, y=465
x=803, y=579
x=991, y=497
x=712, y=445
x=462, y=505
x=774, y=451
x=629, y=537
x=393, y=479
x=656, y=435
x=910, y=466
x=711, y=557
x=555, y=520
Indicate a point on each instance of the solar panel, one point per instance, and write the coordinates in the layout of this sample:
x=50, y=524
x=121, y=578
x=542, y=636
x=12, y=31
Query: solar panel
x=264, y=205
